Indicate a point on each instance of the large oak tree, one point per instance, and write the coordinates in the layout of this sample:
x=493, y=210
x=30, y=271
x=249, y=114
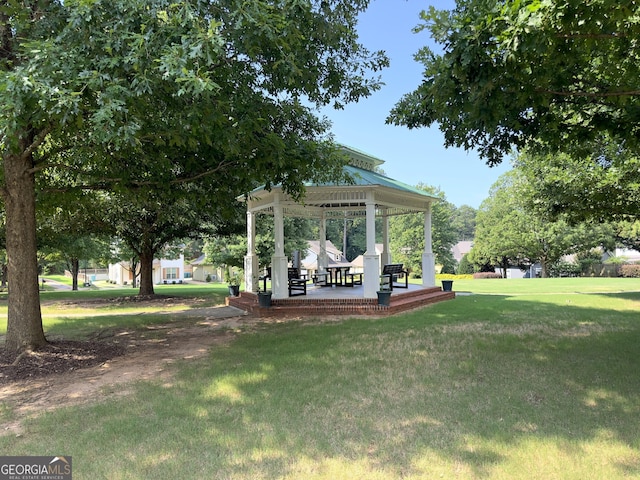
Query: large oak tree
x=603, y=185
x=147, y=94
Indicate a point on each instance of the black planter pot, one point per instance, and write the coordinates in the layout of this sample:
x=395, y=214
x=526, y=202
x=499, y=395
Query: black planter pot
x=447, y=285
x=384, y=297
x=264, y=299
x=234, y=290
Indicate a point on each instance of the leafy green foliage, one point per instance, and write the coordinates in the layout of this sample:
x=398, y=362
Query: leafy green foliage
x=628, y=234
x=464, y=267
x=511, y=232
x=353, y=230
x=563, y=268
x=464, y=222
x=602, y=185
x=230, y=250
x=70, y=231
x=406, y=234
x=520, y=72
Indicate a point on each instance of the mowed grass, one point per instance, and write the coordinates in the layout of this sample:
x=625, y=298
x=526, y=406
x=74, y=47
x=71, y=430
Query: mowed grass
x=67, y=313
x=543, y=385
x=526, y=286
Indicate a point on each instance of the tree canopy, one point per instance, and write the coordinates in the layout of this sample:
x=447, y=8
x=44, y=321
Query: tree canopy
x=529, y=72
x=602, y=185
x=464, y=222
x=406, y=234
x=140, y=96
x=511, y=231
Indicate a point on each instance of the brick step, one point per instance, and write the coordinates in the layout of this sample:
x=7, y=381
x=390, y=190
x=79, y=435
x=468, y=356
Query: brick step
x=402, y=293
x=305, y=306
x=404, y=303
x=321, y=310
x=246, y=301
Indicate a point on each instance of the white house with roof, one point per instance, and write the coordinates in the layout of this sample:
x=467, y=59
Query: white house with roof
x=357, y=264
x=627, y=254
x=334, y=255
x=164, y=271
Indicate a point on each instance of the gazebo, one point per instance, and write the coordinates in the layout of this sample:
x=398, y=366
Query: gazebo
x=371, y=195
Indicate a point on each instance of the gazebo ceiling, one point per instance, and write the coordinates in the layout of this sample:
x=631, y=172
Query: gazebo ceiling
x=391, y=197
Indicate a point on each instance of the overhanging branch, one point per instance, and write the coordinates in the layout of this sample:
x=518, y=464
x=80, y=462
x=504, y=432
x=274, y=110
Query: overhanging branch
x=106, y=183
x=37, y=141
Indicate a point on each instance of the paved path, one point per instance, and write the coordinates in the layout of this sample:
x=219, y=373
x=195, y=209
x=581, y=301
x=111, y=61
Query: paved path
x=55, y=284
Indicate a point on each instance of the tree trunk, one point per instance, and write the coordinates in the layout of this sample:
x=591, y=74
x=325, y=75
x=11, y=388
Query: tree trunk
x=75, y=269
x=545, y=268
x=146, y=273
x=134, y=272
x=3, y=276
x=24, y=324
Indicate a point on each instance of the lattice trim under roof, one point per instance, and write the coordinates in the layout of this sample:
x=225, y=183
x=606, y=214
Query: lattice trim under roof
x=314, y=213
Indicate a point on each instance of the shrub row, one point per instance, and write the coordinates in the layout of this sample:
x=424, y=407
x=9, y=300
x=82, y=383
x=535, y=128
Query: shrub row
x=479, y=275
x=451, y=276
x=632, y=271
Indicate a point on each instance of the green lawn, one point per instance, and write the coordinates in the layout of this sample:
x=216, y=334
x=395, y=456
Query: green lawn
x=525, y=286
x=502, y=386
x=61, y=315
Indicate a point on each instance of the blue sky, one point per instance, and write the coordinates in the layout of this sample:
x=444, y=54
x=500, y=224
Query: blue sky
x=411, y=156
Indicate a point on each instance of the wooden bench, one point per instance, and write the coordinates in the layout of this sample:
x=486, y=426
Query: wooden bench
x=390, y=275
x=297, y=282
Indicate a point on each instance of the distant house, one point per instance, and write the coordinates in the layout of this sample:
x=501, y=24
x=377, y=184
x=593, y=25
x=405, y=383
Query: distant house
x=164, y=271
x=461, y=248
x=310, y=262
x=358, y=262
x=627, y=254
x=203, y=269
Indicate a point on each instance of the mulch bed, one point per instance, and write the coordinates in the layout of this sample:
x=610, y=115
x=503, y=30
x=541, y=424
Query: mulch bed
x=66, y=356
x=56, y=357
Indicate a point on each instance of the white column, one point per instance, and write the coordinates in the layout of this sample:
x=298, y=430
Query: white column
x=385, y=256
x=323, y=259
x=279, y=272
x=428, y=259
x=251, y=273
x=371, y=260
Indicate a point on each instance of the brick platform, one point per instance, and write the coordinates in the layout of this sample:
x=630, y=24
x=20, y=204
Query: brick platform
x=317, y=306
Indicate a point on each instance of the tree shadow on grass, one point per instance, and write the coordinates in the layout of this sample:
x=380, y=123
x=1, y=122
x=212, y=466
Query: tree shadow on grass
x=567, y=385
x=415, y=394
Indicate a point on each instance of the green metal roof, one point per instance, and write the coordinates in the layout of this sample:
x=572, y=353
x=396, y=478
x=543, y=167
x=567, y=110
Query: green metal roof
x=367, y=177
x=361, y=170
x=364, y=175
